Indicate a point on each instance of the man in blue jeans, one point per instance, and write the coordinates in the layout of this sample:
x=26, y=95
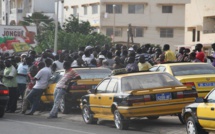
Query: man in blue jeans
x=60, y=89
x=42, y=78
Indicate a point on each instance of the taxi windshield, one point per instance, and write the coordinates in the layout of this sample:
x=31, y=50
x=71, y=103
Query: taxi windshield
x=194, y=69
x=147, y=81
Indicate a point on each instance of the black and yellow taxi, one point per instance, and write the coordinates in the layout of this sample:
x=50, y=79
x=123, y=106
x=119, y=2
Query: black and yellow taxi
x=200, y=76
x=90, y=77
x=200, y=116
x=4, y=97
x=142, y=94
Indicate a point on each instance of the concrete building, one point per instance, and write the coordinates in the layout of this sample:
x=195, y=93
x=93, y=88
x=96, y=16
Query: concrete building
x=12, y=11
x=176, y=22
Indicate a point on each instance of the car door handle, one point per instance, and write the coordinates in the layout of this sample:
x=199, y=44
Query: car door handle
x=212, y=109
x=99, y=97
x=110, y=98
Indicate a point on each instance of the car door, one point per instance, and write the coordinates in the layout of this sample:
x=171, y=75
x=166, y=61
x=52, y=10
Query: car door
x=206, y=112
x=108, y=97
x=95, y=99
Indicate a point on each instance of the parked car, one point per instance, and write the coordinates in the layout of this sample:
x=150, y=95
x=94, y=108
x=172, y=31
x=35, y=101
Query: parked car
x=200, y=116
x=200, y=76
x=144, y=94
x=4, y=97
x=90, y=77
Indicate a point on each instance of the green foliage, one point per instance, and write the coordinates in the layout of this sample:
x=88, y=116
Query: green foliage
x=37, y=18
x=73, y=35
x=72, y=25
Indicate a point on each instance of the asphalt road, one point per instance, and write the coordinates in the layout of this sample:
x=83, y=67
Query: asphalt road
x=37, y=124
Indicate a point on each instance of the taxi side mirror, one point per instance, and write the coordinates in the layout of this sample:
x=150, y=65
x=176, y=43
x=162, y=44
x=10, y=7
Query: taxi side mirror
x=200, y=100
x=92, y=91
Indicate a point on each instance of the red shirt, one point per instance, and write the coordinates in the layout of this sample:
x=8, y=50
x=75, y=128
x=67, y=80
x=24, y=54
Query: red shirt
x=200, y=56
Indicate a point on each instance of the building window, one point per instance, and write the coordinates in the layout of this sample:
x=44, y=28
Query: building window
x=166, y=9
x=135, y=9
x=118, y=9
x=166, y=32
x=85, y=10
x=118, y=32
x=138, y=32
x=75, y=11
x=94, y=9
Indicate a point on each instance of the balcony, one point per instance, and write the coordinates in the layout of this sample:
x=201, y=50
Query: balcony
x=16, y=15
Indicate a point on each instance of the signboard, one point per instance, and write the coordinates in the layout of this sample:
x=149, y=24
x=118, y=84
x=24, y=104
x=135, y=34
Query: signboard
x=17, y=34
x=21, y=47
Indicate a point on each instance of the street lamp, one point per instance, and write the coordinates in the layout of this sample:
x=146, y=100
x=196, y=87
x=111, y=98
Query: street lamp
x=114, y=22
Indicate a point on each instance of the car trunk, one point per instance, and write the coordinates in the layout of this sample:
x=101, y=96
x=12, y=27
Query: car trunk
x=203, y=83
x=158, y=101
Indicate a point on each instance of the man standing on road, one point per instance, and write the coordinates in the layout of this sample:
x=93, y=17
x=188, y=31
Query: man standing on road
x=61, y=86
x=9, y=80
x=42, y=79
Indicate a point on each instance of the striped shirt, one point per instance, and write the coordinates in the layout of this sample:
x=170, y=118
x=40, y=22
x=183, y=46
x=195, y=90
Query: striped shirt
x=68, y=75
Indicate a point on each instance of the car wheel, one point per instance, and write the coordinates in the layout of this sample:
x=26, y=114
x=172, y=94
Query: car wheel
x=119, y=121
x=193, y=128
x=181, y=119
x=64, y=106
x=2, y=111
x=87, y=115
x=152, y=117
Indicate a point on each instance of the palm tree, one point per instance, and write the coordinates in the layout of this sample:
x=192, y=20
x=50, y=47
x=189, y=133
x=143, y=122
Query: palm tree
x=37, y=18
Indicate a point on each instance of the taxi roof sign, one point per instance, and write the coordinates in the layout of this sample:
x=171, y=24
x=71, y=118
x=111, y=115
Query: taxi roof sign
x=119, y=71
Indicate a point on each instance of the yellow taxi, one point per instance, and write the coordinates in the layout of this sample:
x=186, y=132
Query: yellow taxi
x=143, y=94
x=90, y=77
x=200, y=116
x=200, y=76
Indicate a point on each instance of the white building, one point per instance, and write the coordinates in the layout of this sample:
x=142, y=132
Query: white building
x=176, y=22
x=12, y=11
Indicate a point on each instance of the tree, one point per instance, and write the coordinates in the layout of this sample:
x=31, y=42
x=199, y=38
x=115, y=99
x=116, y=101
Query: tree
x=72, y=25
x=37, y=18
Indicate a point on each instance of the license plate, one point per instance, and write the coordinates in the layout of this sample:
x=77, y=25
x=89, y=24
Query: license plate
x=163, y=96
x=209, y=84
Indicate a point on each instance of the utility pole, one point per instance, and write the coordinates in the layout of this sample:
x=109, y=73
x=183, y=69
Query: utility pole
x=114, y=23
x=56, y=29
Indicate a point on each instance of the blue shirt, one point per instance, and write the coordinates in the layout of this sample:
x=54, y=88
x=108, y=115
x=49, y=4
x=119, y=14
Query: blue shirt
x=22, y=69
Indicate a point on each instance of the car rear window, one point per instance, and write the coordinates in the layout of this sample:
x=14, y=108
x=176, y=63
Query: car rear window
x=194, y=69
x=93, y=73
x=147, y=81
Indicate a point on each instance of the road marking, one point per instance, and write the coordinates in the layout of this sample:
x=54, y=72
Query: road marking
x=29, y=123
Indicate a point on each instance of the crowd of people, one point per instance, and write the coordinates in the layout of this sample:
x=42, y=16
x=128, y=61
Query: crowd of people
x=27, y=74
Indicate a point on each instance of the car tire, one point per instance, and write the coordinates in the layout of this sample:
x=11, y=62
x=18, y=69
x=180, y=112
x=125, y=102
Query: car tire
x=87, y=115
x=64, y=106
x=181, y=119
x=193, y=128
x=119, y=121
x=153, y=117
x=2, y=111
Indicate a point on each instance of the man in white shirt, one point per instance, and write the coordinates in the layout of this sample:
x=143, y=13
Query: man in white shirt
x=42, y=79
x=58, y=64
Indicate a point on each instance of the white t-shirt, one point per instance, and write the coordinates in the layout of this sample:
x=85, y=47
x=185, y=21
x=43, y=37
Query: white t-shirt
x=43, y=77
x=87, y=59
x=59, y=65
